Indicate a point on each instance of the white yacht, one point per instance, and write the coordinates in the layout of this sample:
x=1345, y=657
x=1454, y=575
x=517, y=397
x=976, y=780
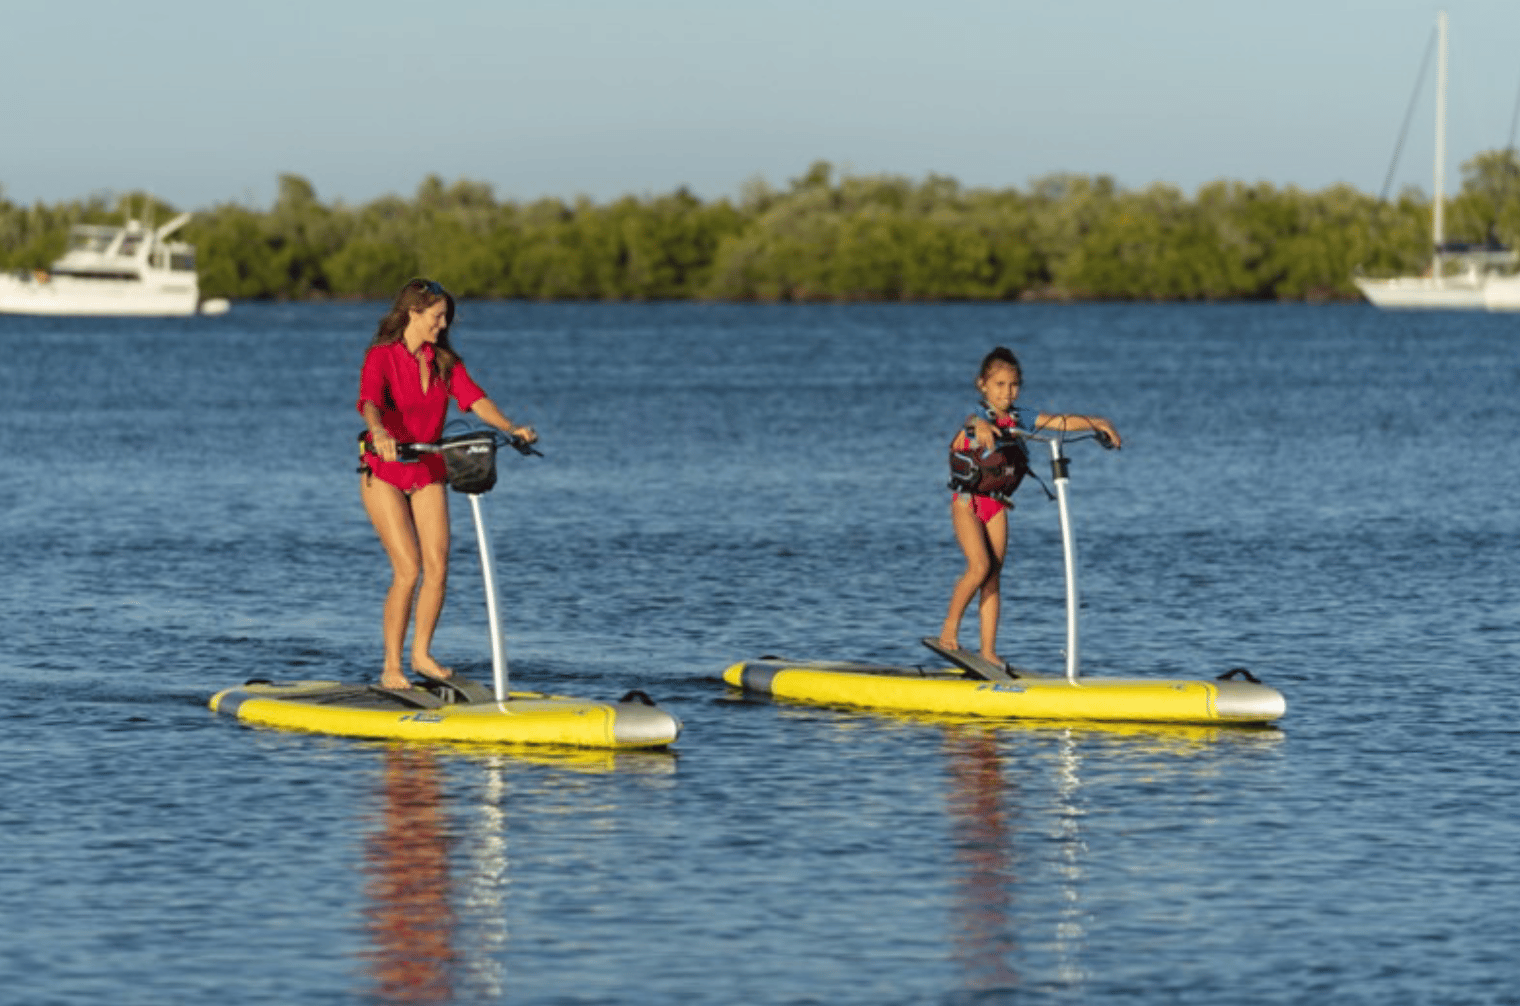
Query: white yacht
x=129, y=270
x=1459, y=273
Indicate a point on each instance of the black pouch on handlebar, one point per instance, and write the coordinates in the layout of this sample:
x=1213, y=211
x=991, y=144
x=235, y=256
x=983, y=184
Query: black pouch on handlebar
x=471, y=461
x=997, y=473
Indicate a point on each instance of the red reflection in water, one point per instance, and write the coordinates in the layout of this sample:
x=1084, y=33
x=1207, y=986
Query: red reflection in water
x=982, y=832
x=409, y=916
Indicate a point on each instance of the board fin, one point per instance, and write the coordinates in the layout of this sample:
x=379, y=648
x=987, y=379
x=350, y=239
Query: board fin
x=973, y=663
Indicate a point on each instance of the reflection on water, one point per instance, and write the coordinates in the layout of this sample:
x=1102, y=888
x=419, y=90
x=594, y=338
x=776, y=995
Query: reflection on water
x=982, y=806
x=1071, y=929
x=1000, y=855
x=409, y=918
x=483, y=888
x=436, y=865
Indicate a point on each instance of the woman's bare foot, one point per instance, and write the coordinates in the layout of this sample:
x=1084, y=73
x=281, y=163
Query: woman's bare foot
x=394, y=679
x=429, y=668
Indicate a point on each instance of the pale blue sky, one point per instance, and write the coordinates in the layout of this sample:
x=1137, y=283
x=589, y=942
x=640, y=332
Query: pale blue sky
x=204, y=103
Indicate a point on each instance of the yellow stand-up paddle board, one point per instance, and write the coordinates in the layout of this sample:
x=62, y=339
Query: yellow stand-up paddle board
x=432, y=714
x=957, y=692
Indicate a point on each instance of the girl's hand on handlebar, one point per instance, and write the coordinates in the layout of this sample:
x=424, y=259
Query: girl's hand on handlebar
x=524, y=433
x=985, y=434
x=1107, y=435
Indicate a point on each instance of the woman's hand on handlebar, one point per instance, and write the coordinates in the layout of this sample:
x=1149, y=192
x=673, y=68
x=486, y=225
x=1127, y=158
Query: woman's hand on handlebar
x=384, y=444
x=526, y=434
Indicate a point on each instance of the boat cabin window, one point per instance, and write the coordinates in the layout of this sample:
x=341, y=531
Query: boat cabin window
x=182, y=261
x=91, y=239
x=129, y=244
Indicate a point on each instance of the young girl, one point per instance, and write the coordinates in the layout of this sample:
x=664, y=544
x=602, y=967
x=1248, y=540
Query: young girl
x=981, y=522
x=410, y=372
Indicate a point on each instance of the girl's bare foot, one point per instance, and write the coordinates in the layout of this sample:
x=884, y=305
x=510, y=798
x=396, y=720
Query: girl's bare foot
x=394, y=679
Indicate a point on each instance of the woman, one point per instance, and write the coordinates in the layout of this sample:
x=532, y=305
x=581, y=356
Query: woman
x=410, y=372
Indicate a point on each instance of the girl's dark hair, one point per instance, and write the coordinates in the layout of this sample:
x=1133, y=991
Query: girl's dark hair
x=419, y=295
x=999, y=354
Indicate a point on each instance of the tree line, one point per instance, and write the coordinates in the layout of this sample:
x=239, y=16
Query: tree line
x=822, y=238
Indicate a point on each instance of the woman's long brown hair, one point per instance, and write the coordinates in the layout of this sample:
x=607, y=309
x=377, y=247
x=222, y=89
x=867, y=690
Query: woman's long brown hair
x=419, y=295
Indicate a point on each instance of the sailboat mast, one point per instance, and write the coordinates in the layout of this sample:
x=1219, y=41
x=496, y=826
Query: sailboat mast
x=1438, y=217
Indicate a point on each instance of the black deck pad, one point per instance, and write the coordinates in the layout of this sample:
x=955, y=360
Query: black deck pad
x=974, y=663
x=457, y=690
x=356, y=697
x=415, y=698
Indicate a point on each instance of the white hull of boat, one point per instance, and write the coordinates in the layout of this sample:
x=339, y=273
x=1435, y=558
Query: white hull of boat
x=178, y=296
x=128, y=271
x=1425, y=292
x=1502, y=294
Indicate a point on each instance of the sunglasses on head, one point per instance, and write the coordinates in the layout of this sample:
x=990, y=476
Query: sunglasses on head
x=429, y=286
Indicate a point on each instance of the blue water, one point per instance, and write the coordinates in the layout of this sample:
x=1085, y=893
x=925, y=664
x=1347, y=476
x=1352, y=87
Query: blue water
x=1325, y=495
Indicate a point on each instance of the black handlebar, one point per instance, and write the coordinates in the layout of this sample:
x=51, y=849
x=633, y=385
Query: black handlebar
x=1062, y=437
x=413, y=452
x=410, y=452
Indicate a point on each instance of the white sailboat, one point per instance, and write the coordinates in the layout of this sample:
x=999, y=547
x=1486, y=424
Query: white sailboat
x=1459, y=273
x=122, y=271
x=1502, y=293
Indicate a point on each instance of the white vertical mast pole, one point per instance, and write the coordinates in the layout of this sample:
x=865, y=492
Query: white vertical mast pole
x=1438, y=221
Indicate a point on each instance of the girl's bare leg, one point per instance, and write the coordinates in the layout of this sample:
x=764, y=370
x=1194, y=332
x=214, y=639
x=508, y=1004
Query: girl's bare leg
x=973, y=538
x=391, y=513
x=990, y=608
x=430, y=511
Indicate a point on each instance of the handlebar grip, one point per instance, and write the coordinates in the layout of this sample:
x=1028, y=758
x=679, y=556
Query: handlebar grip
x=404, y=452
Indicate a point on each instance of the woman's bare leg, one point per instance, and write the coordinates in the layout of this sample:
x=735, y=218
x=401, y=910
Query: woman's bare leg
x=390, y=511
x=430, y=511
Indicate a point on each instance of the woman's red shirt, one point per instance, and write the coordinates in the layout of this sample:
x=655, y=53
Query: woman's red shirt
x=392, y=379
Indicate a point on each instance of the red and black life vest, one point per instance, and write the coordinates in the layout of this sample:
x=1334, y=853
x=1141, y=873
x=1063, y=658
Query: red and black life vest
x=996, y=473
